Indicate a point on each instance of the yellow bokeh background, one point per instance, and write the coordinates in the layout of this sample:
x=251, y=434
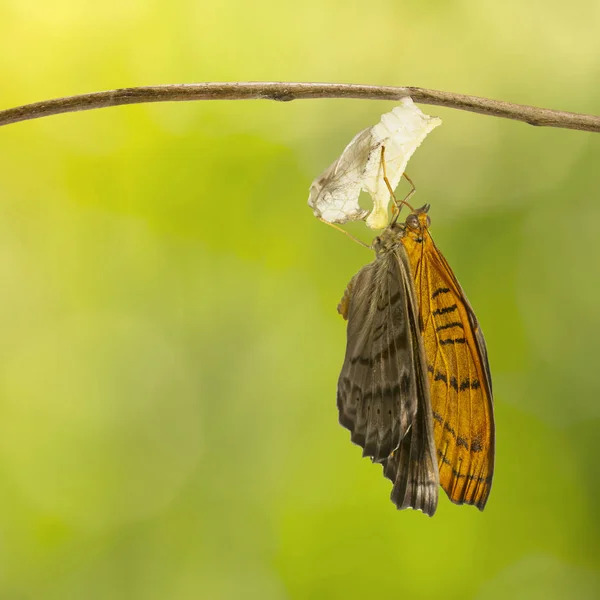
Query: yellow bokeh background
x=169, y=340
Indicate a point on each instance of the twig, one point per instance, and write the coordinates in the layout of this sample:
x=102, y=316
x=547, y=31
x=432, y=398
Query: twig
x=285, y=92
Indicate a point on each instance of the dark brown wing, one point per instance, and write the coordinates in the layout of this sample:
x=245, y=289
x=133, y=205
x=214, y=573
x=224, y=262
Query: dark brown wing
x=383, y=391
x=419, y=487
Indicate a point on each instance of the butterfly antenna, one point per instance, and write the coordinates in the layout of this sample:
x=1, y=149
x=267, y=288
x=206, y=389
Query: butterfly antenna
x=355, y=239
x=397, y=205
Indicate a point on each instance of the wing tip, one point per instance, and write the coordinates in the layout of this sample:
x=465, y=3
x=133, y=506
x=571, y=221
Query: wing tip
x=417, y=495
x=479, y=500
x=427, y=506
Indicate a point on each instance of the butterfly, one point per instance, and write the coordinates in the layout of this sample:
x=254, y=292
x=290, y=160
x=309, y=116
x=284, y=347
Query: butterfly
x=415, y=387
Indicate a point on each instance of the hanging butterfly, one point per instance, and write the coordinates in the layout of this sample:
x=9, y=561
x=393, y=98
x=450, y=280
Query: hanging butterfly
x=415, y=387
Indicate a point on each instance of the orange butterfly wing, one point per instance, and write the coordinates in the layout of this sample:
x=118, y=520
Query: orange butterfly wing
x=460, y=381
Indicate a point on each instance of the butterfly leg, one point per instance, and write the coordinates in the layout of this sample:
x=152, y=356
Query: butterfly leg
x=397, y=205
x=412, y=185
x=344, y=232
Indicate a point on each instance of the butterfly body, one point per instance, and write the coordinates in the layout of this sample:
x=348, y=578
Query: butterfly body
x=415, y=389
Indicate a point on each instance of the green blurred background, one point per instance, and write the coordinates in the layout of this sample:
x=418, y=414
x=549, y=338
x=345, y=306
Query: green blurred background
x=169, y=338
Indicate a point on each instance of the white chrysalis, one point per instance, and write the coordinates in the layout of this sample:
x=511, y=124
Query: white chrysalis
x=334, y=194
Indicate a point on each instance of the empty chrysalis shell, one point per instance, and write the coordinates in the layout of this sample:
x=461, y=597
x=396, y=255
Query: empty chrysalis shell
x=334, y=194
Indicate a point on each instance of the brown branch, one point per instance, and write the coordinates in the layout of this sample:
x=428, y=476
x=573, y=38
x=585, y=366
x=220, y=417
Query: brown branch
x=284, y=92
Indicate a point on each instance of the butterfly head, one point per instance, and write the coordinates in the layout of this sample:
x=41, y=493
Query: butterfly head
x=414, y=227
x=417, y=223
